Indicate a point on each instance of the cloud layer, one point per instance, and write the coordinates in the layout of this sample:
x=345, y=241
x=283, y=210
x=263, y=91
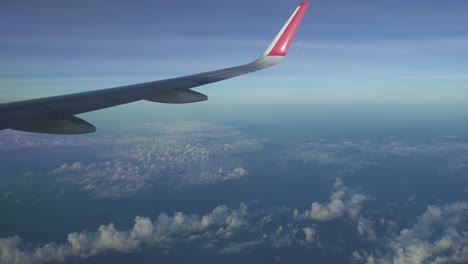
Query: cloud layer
x=350, y=155
x=180, y=154
x=203, y=153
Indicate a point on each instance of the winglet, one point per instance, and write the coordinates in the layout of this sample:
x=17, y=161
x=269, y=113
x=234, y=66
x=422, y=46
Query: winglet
x=282, y=41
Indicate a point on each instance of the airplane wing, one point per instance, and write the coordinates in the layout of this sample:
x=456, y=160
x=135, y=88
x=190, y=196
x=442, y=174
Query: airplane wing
x=56, y=114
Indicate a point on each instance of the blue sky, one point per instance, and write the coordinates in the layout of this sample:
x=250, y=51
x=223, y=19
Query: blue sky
x=352, y=51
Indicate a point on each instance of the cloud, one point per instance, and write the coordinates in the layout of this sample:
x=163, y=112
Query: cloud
x=452, y=151
x=344, y=201
x=224, y=230
x=310, y=234
x=200, y=153
x=365, y=228
x=321, y=152
x=350, y=156
x=170, y=154
x=221, y=223
x=236, y=173
x=234, y=247
x=284, y=236
x=439, y=236
x=185, y=156
x=143, y=163
x=192, y=128
x=14, y=140
x=436, y=149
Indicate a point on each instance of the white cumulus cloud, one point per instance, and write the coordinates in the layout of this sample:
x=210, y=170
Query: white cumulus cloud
x=220, y=223
x=310, y=234
x=439, y=236
x=343, y=201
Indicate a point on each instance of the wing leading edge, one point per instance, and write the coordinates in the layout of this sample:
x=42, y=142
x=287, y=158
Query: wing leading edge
x=56, y=114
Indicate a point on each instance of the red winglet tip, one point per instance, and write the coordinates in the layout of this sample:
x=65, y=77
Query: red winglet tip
x=282, y=45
